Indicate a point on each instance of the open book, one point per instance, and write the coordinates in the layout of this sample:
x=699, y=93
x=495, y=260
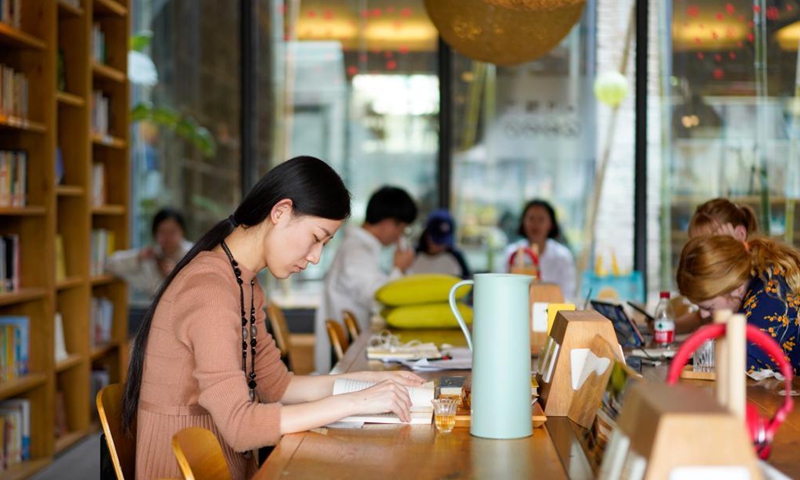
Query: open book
x=421, y=407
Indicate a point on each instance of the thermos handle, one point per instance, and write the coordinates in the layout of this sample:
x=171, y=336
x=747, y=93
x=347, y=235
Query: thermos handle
x=454, y=308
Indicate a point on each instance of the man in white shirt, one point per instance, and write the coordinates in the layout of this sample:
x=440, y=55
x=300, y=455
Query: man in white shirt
x=355, y=273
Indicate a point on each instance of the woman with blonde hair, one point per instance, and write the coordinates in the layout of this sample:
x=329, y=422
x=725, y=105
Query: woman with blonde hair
x=720, y=216
x=758, y=277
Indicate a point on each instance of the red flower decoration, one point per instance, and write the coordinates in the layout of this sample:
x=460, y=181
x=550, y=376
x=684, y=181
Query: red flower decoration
x=312, y=14
x=730, y=8
x=718, y=73
x=773, y=13
x=700, y=55
x=403, y=49
x=352, y=70
x=693, y=11
x=391, y=65
x=406, y=12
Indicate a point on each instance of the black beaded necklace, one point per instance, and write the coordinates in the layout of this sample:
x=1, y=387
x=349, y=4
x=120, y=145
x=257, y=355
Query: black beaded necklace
x=251, y=377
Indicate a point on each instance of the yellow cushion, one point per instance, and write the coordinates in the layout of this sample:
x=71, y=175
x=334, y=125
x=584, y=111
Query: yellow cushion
x=432, y=315
x=418, y=289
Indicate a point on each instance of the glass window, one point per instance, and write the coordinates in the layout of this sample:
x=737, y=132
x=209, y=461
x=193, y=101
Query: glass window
x=520, y=133
x=355, y=83
x=186, y=142
x=731, y=106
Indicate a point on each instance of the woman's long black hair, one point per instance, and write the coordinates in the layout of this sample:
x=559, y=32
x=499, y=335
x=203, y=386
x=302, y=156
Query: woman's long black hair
x=314, y=188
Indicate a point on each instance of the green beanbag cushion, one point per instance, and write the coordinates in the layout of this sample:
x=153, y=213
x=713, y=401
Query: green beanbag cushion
x=432, y=315
x=419, y=289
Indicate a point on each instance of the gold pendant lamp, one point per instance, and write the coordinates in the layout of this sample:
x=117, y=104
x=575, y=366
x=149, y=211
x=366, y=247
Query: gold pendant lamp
x=504, y=32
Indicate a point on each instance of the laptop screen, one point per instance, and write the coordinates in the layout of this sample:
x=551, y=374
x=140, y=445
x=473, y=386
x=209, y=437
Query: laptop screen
x=628, y=334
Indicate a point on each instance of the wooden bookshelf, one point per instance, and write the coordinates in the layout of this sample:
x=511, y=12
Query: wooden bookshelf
x=52, y=41
x=66, y=98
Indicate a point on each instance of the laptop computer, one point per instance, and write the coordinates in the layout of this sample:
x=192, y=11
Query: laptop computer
x=628, y=333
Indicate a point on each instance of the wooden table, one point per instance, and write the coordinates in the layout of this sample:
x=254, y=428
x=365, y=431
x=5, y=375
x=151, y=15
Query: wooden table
x=417, y=451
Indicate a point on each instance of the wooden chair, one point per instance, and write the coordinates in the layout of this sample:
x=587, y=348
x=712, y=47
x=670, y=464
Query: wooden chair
x=338, y=339
x=351, y=324
x=280, y=330
x=200, y=455
x=122, y=448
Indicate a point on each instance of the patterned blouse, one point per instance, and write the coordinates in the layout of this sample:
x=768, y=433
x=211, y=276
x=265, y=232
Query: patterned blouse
x=773, y=308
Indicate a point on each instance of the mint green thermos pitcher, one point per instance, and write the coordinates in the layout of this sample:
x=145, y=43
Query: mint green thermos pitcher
x=501, y=354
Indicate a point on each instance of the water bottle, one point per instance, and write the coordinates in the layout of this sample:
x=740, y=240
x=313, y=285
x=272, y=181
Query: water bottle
x=664, y=321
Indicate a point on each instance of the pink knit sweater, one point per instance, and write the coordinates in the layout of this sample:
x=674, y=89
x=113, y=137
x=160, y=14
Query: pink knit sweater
x=193, y=371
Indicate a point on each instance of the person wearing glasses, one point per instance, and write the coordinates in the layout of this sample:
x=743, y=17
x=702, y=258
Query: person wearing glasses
x=355, y=273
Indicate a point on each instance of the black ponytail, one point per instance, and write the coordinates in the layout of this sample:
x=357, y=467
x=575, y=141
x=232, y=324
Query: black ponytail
x=314, y=188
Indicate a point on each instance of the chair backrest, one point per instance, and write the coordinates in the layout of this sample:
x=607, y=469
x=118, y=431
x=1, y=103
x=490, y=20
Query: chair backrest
x=200, y=455
x=121, y=446
x=338, y=339
x=352, y=324
x=280, y=330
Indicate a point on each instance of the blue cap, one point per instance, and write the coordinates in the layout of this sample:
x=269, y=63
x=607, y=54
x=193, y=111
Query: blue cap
x=440, y=227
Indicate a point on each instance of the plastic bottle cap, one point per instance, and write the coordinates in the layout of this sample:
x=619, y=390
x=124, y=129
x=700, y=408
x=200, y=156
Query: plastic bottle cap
x=663, y=295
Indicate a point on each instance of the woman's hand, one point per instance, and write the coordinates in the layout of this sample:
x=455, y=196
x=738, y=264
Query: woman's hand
x=402, y=377
x=387, y=396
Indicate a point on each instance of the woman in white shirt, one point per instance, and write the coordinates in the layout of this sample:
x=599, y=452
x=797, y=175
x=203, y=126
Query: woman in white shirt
x=145, y=268
x=539, y=228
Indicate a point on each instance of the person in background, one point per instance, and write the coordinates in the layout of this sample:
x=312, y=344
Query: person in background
x=759, y=278
x=356, y=274
x=718, y=216
x=436, y=251
x=203, y=357
x=146, y=268
x=540, y=229
x=721, y=216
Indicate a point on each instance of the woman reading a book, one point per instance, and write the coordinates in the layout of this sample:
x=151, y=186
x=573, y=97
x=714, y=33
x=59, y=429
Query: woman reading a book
x=203, y=357
x=758, y=277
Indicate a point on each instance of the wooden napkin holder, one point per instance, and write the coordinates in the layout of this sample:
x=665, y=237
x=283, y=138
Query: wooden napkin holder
x=671, y=431
x=542, y=293
x=573, y=330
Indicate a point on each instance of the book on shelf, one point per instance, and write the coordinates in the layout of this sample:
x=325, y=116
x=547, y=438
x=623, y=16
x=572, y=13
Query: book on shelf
x=11, y=12
x=103, y=243
x=98, y=184
x=61, y=426
x=421, y=407
x=16, y=416
x=59, y=344
x=23, y=406
x=59, y=167
x=16, y=333
x=98, y=43
x=14, y=89
x=61, y=263
x=102, y=317
x=61, y=73
x=9, y=263
x=13, y=178
x=100, y=114
x=100, y=377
